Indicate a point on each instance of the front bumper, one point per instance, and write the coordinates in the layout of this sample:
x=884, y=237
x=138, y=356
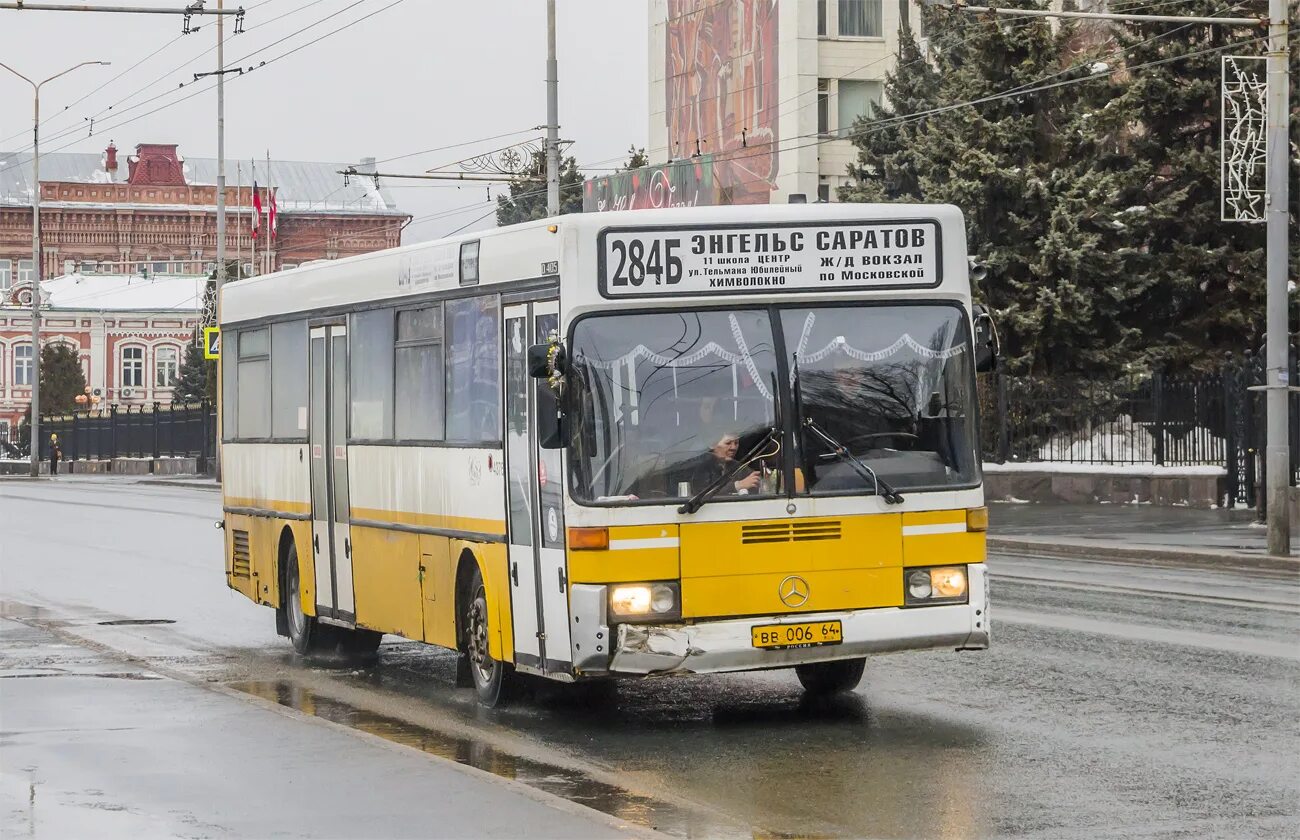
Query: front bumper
x=714, y=646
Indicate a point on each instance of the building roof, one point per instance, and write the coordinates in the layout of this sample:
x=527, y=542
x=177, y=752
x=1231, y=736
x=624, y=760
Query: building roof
x=182, y=294
x=301, y=186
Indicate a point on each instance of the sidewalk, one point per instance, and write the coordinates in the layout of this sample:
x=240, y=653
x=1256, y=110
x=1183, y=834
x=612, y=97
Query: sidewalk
x=101, y=747
x=1138, y=532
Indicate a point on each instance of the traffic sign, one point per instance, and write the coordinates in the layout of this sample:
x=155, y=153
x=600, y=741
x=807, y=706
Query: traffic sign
x=212, y=342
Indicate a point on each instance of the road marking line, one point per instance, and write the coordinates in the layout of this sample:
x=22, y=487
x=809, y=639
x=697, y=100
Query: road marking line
x=1149, y=633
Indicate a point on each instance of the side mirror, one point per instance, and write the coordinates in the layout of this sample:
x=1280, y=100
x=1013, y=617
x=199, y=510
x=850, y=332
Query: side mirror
x=987, y=349
x=547, y=359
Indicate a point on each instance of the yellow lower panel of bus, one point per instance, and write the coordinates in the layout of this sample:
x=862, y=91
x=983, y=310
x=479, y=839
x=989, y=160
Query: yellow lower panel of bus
x=386, y=580
x=636, y=553
x=926, y=543
x=846, y=589
x=239, y=554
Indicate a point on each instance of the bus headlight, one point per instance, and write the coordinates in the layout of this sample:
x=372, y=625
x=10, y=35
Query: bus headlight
x=936, y=585
x=644, y=601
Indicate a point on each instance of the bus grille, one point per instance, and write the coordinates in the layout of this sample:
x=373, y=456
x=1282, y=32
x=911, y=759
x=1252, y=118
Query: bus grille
x=798, y=531
x=241, y=561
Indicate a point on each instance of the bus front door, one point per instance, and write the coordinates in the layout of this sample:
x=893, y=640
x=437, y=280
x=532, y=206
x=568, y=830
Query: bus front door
x=535, y=500
x=330, y=512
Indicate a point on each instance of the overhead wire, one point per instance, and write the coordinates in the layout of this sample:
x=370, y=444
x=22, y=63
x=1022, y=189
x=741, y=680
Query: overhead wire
x=212, y=85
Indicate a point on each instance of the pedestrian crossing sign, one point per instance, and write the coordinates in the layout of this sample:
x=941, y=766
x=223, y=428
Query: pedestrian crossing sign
x=212, y=342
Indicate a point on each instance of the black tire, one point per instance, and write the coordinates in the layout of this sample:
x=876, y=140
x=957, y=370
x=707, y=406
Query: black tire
x=823, y=678
x=493, y=680
x=306, y=634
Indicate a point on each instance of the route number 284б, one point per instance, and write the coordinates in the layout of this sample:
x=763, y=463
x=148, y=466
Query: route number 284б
x=636, y=262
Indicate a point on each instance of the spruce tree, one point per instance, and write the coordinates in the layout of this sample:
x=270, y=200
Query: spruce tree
x=197, y=380
x=61, y=378
x=989, y=159
x=527, y=200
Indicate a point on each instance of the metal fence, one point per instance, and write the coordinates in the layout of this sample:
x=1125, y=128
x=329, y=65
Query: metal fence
x=151, y=431
x=1207, y=420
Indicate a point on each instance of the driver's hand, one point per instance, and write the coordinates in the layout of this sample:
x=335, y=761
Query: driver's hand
x=748, y=483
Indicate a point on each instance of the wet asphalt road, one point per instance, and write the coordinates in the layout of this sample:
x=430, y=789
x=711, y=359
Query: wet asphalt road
x=1118, y=700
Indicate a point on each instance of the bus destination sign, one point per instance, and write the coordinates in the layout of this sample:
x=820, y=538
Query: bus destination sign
x=904, y=254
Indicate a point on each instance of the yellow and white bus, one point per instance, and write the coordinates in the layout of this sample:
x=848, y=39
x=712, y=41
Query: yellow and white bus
x=653, y=442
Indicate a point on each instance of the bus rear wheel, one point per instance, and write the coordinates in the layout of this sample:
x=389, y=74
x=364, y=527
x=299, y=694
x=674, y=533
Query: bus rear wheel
x=823, y=678
x=306, y=634
x=492, y=678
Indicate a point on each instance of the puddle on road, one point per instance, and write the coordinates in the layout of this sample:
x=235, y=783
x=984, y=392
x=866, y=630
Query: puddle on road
x=136, y=622
x=567, y=783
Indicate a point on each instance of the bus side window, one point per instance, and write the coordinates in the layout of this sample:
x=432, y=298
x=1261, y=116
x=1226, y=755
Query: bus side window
x=418, y=383
x=289, y=380
x=230, y=389
x=254, y=384
x=473, y=370
x=370, y=381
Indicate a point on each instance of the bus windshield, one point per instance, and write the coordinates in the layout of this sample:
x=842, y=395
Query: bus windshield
x=664, y=403
x=668, y=401
x=892, y=385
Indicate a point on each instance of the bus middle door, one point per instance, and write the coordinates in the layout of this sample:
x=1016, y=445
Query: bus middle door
x=331, y=534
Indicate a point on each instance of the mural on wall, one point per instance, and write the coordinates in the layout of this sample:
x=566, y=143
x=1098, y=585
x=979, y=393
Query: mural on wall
x=682, y=183
x=721, y=106
x=720, y=71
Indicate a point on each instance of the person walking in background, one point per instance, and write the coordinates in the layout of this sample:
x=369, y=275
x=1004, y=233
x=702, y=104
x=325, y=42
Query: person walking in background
x=56, y=453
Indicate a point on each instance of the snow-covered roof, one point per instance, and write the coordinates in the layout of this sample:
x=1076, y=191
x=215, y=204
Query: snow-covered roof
x=301, y=186
x=182, y=294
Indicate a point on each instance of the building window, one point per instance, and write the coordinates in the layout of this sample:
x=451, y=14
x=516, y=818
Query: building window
x=861, y=18
x=24, y=271
x=821, y=17
x=166, y=367
x=824, y=193
x=132, y=367
x=823, y=107
x=6, y=273
x=23, y=364
x=857, y=98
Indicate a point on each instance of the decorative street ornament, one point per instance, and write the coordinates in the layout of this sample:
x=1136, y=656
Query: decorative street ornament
x=514, y=160
x=1243, y=127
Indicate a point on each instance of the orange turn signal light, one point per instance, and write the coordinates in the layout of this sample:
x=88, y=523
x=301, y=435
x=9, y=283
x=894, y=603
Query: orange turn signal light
x=589, y=539
x=977, y=519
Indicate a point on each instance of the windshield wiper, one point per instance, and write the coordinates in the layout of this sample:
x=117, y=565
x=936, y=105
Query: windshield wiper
x=839, y=450
x=697, y=501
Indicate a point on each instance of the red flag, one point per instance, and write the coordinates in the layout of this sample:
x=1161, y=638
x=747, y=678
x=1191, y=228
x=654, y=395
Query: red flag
x=270, y=214
x=257, y=210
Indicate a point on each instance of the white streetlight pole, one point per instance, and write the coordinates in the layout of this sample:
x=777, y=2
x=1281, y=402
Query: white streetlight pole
x=35, y=441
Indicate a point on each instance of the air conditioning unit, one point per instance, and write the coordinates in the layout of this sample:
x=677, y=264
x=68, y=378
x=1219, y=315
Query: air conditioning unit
x=128, y=393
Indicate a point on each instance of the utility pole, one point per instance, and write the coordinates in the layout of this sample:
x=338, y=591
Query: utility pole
x=34, y=442
x=1277, y=385
x=1277, y=457
x=552, y=117
x=221, y=203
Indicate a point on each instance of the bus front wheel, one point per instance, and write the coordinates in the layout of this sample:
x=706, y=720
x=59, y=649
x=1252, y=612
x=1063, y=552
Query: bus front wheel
x=306, y=634
x=831, y=677
x=492, y=678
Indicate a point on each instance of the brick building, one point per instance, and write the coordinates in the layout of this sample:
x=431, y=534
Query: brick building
x=125, y=255
x=129, y=331
x=162, y=212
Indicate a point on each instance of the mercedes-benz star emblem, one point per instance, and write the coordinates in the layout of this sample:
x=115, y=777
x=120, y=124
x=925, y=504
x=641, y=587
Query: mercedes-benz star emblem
x=793, y=591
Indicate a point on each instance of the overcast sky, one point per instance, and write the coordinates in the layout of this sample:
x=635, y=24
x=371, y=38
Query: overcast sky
x=418, y=75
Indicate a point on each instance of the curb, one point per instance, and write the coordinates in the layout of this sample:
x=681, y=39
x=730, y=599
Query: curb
x=181, y=482
x=1156, y=555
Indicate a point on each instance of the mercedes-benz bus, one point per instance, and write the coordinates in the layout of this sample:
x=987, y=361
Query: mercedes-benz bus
x=603, y=445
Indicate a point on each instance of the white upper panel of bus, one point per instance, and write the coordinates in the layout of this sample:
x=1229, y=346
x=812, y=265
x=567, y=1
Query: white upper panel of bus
x=647, y=258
